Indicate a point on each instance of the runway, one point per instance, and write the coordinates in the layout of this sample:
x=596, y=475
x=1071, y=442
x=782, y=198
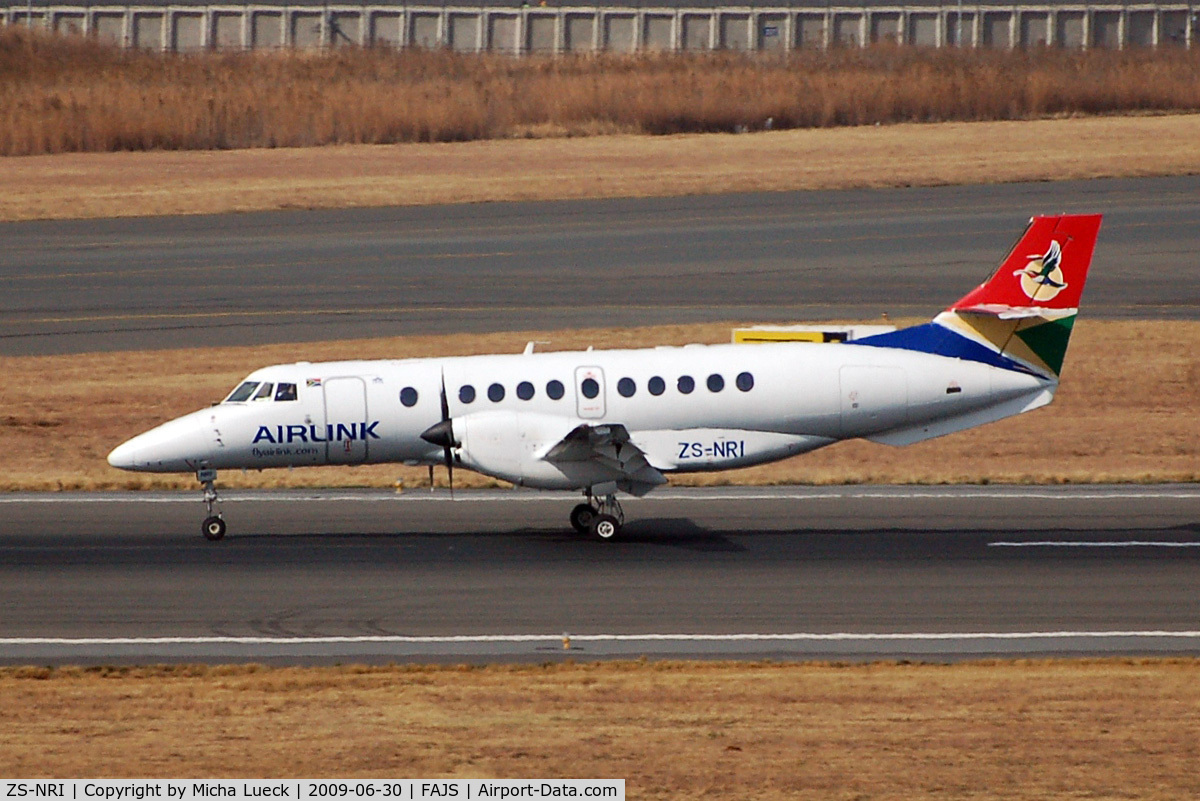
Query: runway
x=939, y=573
x=841, y=573
x=79, y=286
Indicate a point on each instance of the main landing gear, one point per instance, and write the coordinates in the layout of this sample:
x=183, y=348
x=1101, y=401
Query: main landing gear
x=214, y=525
x=602, y=518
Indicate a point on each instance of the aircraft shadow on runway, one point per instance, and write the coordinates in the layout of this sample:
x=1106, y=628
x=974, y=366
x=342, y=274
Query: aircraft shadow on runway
x=679, y=532
x=817, y=543
x=295, y=542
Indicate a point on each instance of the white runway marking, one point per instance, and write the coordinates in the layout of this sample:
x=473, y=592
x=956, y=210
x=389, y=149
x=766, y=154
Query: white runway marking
x=557, y=638
x=1094, y=544
x=689, y=494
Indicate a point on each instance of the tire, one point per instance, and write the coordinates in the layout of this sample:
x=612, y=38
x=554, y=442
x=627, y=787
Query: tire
x=581, y=518
x=213, y=528
x=605, y=527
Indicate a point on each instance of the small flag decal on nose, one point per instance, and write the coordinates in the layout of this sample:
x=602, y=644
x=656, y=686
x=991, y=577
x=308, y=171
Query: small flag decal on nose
x=313, y=382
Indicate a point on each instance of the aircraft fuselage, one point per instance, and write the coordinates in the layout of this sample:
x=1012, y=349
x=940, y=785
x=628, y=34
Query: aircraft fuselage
x=689, y=409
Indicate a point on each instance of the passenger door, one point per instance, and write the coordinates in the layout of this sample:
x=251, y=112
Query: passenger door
x=345, y=420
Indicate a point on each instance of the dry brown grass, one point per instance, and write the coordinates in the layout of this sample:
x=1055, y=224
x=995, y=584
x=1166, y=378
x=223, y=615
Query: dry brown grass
x=73, y=94
x=1125, y=413
x=123, y=184
x=1005, y=730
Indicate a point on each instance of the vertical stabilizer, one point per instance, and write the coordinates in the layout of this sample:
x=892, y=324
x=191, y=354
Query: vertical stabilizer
x=1021, y=317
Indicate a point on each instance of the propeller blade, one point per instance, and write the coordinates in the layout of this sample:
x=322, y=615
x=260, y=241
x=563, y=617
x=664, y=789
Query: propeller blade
x=442, y=433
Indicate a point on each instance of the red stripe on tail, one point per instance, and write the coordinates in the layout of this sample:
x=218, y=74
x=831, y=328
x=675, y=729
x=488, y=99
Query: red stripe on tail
x=1047, y=268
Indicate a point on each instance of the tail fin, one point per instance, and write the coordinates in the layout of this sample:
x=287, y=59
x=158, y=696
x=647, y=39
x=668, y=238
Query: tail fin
x=1045, y=270
x=1021, y=317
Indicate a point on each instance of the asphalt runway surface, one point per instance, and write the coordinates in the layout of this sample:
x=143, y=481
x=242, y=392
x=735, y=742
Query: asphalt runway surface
x=79, y=286
x=787, y=573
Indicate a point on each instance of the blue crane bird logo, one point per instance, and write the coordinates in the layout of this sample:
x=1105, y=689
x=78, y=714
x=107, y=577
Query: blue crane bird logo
x=1042, y=278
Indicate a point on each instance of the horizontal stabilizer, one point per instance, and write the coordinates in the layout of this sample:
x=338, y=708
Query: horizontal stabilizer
x=1002, y=312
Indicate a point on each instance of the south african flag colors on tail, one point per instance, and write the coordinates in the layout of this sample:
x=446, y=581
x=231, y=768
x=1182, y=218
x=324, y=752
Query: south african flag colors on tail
x=1021, y=317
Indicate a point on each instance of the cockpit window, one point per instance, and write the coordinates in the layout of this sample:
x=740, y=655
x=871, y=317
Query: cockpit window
x=285, y=392
x=243, y=392
x=264, y=391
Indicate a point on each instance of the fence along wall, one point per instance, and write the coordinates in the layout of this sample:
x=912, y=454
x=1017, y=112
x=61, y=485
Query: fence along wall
x=621, y=30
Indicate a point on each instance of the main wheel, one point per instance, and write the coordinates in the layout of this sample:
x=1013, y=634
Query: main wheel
x=581, y=518
x=213, y=528
x=605, y=527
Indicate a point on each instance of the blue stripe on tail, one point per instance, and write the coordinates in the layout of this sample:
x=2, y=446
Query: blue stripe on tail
x=941, y=341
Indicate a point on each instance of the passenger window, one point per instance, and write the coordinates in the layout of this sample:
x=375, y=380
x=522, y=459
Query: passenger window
x=524, y=390
x=626, y=387
x=466, y=393
x=408, y=396
x=715, y=383
x=496, y=393
x=590, y=388
x=555, y=389
x=243, y=392
x=656, y=385
x=745, y=382
x=686, y=384
x=285, y=392
x=264, y=391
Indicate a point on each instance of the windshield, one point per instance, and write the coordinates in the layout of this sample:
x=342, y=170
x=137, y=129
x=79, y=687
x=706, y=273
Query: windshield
x=243, y=392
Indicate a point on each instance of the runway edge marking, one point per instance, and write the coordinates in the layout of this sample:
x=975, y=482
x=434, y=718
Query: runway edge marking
x=1094, y=544
x=526, y=638
x=690, y=494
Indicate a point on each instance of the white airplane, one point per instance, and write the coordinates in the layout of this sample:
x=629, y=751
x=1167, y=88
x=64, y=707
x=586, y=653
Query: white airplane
x=622, y=420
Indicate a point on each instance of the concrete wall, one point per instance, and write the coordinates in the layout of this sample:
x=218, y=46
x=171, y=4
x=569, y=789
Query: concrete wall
x=620, y=29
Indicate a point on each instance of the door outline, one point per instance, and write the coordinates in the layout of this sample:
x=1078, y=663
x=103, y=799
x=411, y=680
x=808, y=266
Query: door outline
x=589, y=408
x=346, y=411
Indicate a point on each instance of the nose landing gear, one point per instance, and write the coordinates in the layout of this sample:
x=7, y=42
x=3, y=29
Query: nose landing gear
x=213, y=526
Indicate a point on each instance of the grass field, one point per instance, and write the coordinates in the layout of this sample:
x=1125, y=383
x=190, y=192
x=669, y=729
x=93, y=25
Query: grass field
x=467, y=128
x=1135, y=423
x=1113, y=729
x=76, y=94
x=151, y=183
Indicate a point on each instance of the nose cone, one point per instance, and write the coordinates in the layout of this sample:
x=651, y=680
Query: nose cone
x=124, y=456
x=175, y=447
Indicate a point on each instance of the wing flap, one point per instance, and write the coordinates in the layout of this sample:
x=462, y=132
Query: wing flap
x=609, y=445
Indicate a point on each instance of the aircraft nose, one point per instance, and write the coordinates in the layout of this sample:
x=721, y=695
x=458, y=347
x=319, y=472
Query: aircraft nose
x=124, y=456
x=173, y=447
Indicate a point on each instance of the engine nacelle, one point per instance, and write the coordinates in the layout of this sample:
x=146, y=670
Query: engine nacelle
x=510, y=446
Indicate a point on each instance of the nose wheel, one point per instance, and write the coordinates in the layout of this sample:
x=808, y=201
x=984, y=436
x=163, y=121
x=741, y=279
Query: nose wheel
x=213, y=526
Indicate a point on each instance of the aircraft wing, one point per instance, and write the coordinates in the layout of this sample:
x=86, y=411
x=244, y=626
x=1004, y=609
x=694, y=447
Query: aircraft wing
x=608, y=444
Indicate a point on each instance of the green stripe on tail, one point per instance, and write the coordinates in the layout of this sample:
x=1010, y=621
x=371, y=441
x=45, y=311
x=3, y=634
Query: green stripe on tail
x=1049, y=340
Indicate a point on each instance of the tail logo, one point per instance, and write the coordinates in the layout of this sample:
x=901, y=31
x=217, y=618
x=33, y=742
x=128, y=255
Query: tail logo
x=1042, y=277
